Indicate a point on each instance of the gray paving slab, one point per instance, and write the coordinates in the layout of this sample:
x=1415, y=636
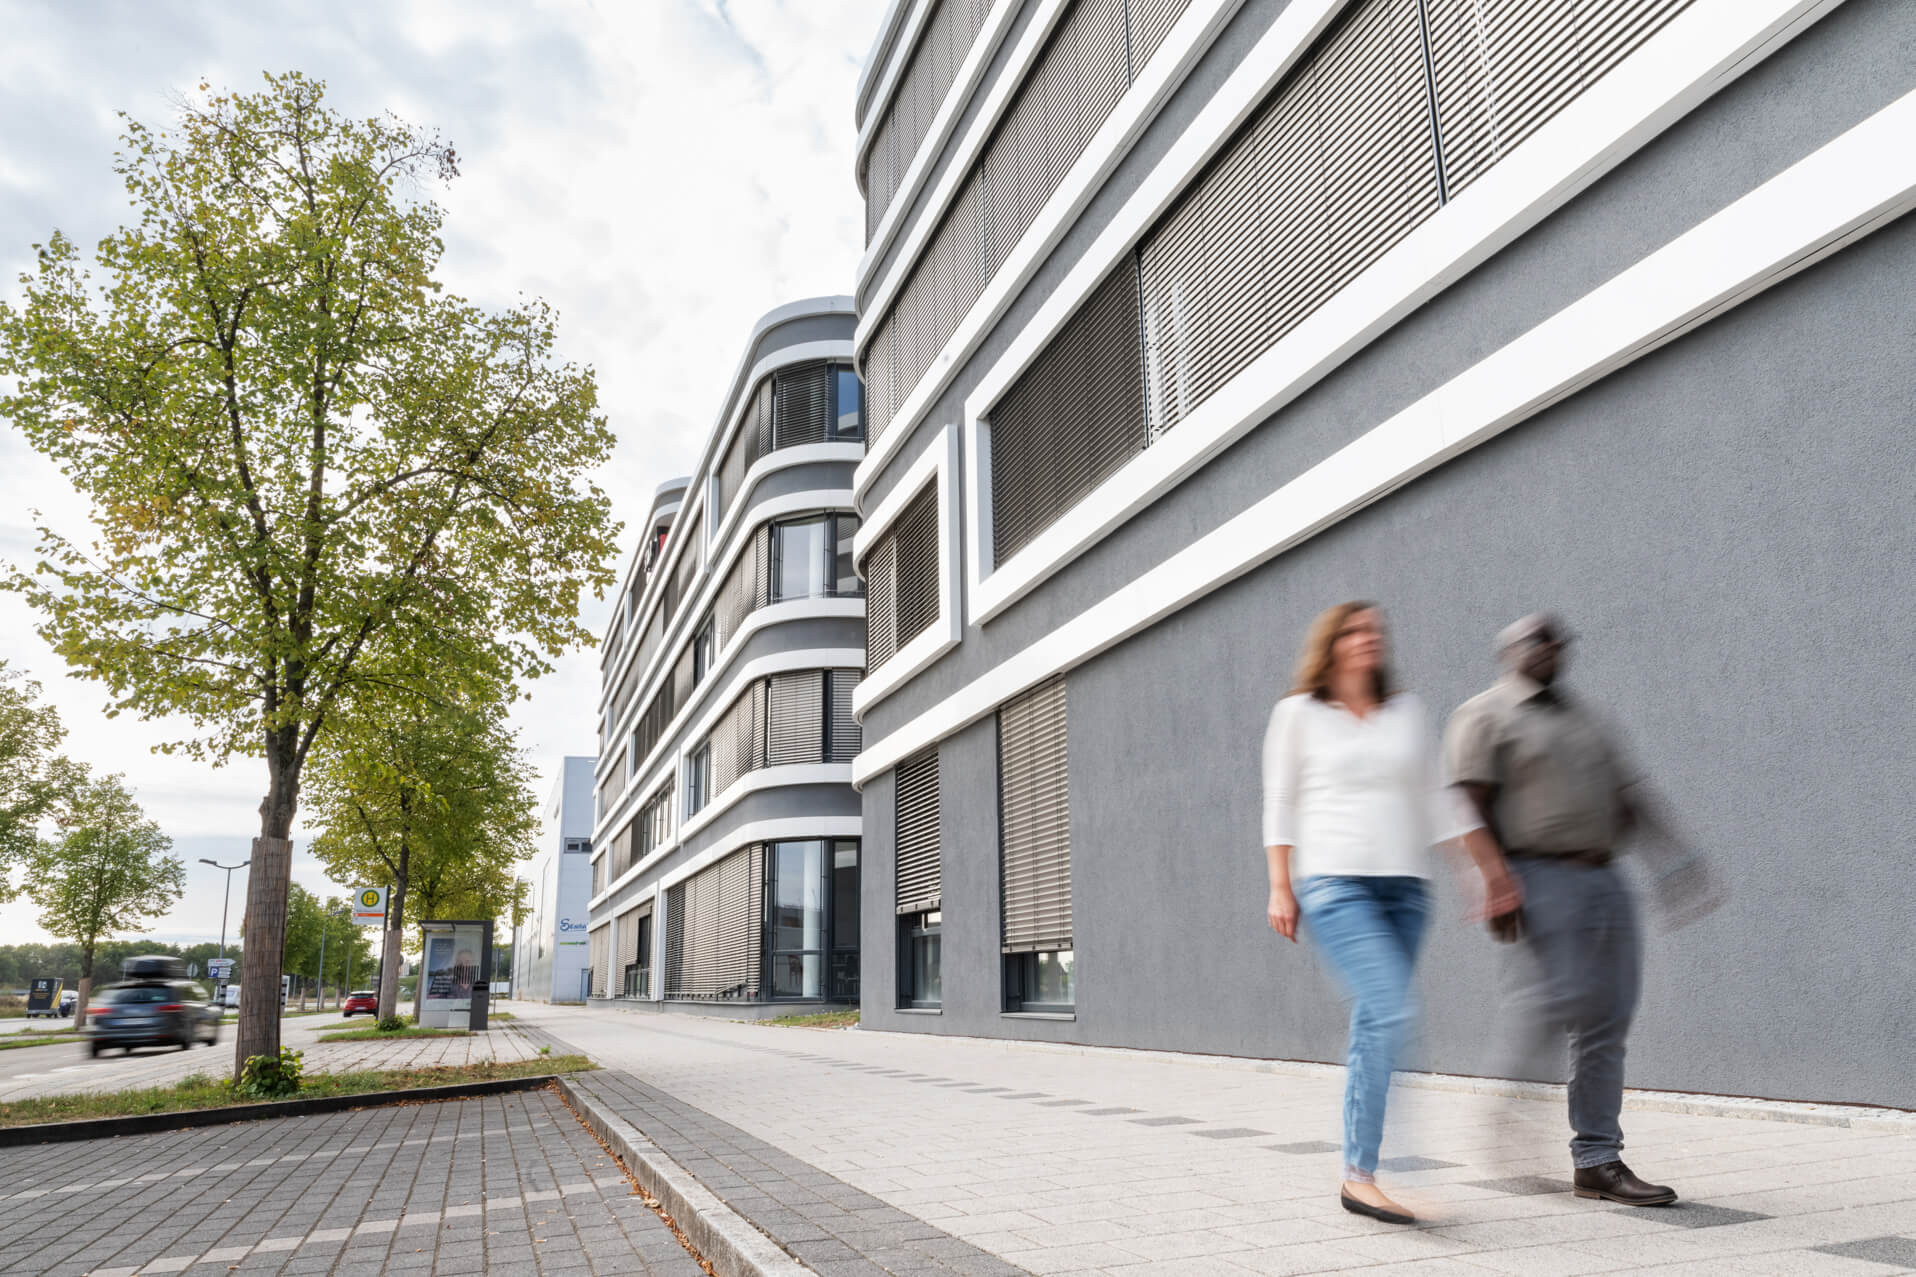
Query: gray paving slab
x=396, y=1189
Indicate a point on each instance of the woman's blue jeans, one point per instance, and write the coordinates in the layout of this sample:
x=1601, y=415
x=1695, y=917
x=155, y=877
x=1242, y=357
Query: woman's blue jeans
x=1369, y=930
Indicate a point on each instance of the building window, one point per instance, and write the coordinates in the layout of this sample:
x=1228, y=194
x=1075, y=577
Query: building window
x=902, y=580
x=918, y=880
x=702, y=654
x=1040, y=981
x=811, y=558
x=1034, y=831
x=848, y=405
x=698, y=779
x=812, y=919
x=578, y=846
x=919, y=983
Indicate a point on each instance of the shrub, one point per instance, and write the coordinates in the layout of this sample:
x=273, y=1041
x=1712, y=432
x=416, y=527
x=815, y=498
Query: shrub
x=266, y=1077
x=394, y=1023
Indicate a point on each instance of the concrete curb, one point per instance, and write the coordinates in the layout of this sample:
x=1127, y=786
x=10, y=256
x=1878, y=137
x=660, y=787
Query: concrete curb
x=733, y=1244
x=147, y=1123
x=1855, y=1117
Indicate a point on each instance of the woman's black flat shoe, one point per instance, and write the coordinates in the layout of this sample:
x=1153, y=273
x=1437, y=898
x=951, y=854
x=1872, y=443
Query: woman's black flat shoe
x=1356, y=1207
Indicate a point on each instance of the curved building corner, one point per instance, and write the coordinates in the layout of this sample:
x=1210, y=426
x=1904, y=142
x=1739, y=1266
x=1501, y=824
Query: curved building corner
x=726, y=832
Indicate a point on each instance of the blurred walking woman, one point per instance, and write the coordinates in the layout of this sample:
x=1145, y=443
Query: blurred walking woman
x=1352, y=805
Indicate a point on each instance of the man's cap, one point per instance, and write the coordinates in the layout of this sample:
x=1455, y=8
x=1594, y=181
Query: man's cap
x=1529, y=627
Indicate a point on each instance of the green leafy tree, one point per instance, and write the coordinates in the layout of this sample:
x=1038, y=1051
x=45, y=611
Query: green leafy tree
x=31, y=774
x=433, y=802
x=309, y=920
x=298, y=448
x=105, y=870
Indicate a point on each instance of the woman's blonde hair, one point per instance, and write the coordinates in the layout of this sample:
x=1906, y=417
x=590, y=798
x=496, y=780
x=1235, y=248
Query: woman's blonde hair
x=1314, y=663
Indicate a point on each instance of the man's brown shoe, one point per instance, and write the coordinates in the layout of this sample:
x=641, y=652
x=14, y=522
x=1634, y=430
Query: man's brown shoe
x=1615, y=1182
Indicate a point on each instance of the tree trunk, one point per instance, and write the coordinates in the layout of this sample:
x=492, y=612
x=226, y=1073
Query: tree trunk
x=264, y=929
x=394, y=943
x=86, y=987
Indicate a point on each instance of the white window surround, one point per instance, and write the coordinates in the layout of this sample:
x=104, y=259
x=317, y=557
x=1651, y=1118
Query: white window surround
x=1183, y=45
x=706, y=590
x=963, y=85
x=780, y=830
x=662, y=510
x=678, y=728
x=1698, y=53
x=696, y=487
x=666, y=772
x=1848, y=188
x=938, y=463
x=591, y=926
x=678, y=544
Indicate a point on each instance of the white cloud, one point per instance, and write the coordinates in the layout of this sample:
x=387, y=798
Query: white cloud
x=662, y=171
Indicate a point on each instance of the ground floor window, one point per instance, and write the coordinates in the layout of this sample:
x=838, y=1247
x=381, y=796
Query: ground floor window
x=812, y=919
x=1040, y=981
x=919, y=981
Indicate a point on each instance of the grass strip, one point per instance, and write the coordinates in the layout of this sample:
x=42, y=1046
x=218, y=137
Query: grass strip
x=821, y=1020
x=13, y=1042
x=203, y=1092
x=381, y=1035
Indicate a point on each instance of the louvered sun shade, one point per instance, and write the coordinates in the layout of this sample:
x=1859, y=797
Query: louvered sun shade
x=1034, y=815
x=1335, y=169
x=1073, y=419
x=1502, y=68
x=752, y=441
x=746, y=589
x=943, y=44
x=915, y=830
x=713, y=926
x=628, y=928
x=845, y=734
x=797, y=724
x=1151, y=21
x=601, y=958
x=902, y=580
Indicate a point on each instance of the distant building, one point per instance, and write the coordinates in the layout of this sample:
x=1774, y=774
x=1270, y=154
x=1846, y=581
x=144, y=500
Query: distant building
x=550, y=962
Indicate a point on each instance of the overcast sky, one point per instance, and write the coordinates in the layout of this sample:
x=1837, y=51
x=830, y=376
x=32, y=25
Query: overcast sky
x=662, y=171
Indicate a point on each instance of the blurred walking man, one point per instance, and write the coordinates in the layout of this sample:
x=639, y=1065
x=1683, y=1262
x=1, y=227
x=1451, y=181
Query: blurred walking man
x=1552, y=787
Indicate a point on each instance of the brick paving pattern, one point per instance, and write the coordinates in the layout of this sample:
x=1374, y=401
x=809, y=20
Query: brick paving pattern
x=1173, y=1165
x=501, y=1184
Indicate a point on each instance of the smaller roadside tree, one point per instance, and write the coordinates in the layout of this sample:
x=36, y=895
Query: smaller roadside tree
x=105, y=870
x=31, y=774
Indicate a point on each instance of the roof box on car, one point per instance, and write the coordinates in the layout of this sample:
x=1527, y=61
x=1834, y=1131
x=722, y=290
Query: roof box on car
x=153, y=966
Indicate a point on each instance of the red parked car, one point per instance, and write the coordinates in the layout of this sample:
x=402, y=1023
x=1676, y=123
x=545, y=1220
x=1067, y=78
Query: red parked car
x=361, y=1000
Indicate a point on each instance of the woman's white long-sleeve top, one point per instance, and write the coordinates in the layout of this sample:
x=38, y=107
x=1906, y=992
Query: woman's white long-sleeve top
x=1357, y=796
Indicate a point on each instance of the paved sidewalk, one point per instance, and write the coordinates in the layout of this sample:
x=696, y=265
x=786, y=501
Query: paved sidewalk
x=1057, y=1160
x=503, y=1184
x=57, y=1069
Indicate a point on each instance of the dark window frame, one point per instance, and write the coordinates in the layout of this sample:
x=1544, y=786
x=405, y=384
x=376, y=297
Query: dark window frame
x=914, y=929
x=1021, y=974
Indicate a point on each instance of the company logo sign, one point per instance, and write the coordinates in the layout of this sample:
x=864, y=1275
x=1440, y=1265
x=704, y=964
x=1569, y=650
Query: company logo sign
x=568, y=924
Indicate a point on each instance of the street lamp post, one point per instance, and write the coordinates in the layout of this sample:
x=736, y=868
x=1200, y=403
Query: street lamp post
x=225, y=903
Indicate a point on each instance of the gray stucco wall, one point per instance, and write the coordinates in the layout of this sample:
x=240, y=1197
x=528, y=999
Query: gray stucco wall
x=1726, y=523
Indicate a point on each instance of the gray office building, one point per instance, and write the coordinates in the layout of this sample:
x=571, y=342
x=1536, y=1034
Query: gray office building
x=726, y=838
x=1182, y=320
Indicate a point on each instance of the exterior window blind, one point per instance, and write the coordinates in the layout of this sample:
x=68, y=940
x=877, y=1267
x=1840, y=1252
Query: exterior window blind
x=1082, y=73
x=1151, y=21
x=915, y=831
x=601, y=959
x=939, y=292
x=877, y=365
x=946, y=39
x=845, y=735
x=1035, y=820
x=627, y=924
x=901, y=582
x=881, y=602
x=917, y=598
x=753, y=440
x=735, y=741
x=744, y=591
x=1337, y=167
x=797, y=731
x=802, y=405
x=1074, y=417
x=1502, y=68
x=714, y=921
